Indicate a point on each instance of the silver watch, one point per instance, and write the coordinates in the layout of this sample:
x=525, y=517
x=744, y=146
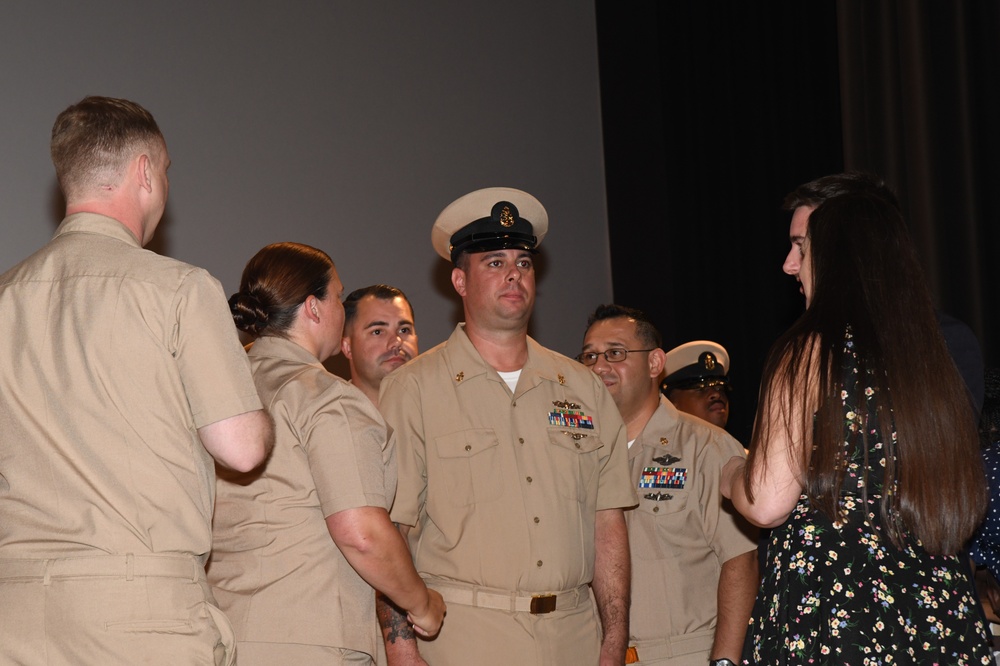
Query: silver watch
x=721, y=662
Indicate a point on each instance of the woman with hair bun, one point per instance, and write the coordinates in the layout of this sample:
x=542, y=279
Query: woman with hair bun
x=300, y=543
x=864, y=456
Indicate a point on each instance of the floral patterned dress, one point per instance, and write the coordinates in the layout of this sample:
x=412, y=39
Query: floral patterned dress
x=841, y=593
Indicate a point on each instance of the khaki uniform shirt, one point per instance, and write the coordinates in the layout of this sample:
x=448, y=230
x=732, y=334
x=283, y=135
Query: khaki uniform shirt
x=112, y=357
x=680, y=534
x=504, y=487
x=275, y=569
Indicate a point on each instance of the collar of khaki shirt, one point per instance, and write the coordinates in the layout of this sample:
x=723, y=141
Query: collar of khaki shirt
x=465, y=363
x=93, y=223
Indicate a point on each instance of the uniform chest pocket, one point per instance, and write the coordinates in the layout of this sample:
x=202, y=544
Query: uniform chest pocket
x=661, y=523
x=661, y=502
x=469, y=462
x=576, y=458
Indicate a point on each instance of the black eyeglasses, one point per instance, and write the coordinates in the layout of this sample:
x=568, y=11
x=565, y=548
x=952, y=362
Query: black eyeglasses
x=613, y=355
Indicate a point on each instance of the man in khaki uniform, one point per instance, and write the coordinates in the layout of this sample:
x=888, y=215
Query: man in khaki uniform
x=379, y=335
x=512, y=467
x=694, y=564
x=121, y=378
x=697, y=380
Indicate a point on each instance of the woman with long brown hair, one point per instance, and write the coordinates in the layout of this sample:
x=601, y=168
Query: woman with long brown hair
x=864, y=457
x=300, y=543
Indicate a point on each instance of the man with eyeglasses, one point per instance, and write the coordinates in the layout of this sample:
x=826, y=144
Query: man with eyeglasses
x=697, y=381
x=694, y=561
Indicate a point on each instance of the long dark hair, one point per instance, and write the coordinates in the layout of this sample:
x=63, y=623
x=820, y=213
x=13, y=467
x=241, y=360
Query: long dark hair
x=867, y=279
x=275, y=283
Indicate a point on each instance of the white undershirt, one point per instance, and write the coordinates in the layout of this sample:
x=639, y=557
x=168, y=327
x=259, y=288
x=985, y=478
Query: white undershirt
x=510, y=378
x=631, y=442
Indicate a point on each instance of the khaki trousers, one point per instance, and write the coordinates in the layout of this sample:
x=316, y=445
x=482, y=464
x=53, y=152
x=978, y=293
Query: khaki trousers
x=687, y=650
x=289, y=654
x=111, y=609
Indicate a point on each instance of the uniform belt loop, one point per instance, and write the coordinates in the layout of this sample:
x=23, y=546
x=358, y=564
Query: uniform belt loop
x=47, y=578
x=129, y=566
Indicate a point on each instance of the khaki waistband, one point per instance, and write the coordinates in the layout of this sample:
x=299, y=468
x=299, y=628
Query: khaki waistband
x=126, y=566
x=486, y=597
x=675, y=646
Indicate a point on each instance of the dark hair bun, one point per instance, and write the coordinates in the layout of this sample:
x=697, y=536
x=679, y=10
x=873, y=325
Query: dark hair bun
x=250, y=315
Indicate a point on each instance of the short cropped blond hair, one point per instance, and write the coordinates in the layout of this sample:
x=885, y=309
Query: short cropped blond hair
x=93, y=141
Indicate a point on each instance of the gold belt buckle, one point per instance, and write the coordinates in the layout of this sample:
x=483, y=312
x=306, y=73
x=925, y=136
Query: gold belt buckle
x=543, y=603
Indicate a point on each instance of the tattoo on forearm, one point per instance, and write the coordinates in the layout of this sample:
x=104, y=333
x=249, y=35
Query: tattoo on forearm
x=393, y=619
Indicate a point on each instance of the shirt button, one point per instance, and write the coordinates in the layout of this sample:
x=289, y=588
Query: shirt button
x=529, y=479
x=576, y=444
x=656, y=509
x=520, y=440
x=537, y=520
x=514, y=404
x=468, y=447
x=539, y=563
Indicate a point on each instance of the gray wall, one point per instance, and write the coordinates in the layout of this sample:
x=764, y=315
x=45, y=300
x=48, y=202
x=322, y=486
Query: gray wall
x=346, y=125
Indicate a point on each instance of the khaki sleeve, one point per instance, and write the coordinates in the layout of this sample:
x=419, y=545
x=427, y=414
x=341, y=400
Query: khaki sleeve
x=400, y=404
x=347, y=443
x=213, y=367
x=614, y=490
x=728, y=532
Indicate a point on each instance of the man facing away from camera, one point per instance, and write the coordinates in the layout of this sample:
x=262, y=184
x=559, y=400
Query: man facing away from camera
x=122, y=383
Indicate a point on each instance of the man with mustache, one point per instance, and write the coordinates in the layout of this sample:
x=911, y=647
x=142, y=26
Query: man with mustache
x=697, y=381
x=379, y=335
x=512, y=465
x=694, y=561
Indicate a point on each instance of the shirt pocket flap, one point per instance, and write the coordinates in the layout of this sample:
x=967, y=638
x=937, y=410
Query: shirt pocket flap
x=466, y=443
x=575, y=441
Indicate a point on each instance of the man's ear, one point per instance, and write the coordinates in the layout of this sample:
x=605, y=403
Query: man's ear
x=458, y=280
x=142, y=172
x=657, y=358
x=345, y=347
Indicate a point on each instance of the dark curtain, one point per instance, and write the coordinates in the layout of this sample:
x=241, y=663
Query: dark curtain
x=712, y=112
x=921, y=107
